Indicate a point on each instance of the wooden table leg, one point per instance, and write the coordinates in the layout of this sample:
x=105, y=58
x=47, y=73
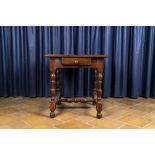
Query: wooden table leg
x=95, y=87
x=99, y=105
x=58, y=85
x=52, y=105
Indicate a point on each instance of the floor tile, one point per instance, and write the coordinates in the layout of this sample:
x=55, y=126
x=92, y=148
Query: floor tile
x=5, y=127
x=144, y=107
x=106, y=123
x=151, y=115
x=85, y=119
x=73, y=124
x=33, y=113
x=136, y=119
x=129, y=127
x=6, y=120
x=150, y=126
x=66, y=116
x=35, y=119
x=6, y=111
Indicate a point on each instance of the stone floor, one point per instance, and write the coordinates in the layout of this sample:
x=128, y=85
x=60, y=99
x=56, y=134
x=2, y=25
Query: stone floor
x=33, y=113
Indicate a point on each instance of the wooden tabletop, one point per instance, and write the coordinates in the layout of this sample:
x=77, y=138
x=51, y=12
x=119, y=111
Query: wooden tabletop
x=75, y=56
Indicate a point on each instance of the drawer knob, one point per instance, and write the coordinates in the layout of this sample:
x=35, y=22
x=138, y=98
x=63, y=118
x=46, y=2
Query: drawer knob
x=76, y=61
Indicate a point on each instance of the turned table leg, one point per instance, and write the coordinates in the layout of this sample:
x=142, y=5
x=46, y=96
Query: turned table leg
x=58, y=86
x=52, y=105
x=99, y=105
x=95, y=87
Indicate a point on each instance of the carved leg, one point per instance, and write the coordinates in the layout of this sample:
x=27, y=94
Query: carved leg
x=99, y=105
x=52, y=105
x=95, y=87
x=58, y=85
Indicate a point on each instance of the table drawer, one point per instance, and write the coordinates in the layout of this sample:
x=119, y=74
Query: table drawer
x=76, y=61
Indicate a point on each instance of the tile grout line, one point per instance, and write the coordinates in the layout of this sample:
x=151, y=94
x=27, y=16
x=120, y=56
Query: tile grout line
x=147, y=124
x=22, y=120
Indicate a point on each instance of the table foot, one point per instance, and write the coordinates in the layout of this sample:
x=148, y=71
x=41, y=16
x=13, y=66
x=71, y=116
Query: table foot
x=99, y=107
x=52, y=107
x=52, y=114
x=99, y=115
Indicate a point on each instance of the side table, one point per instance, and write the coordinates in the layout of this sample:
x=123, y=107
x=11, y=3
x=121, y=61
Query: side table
x=58, y=61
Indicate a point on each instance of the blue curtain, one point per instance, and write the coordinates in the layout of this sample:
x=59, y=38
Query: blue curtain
x=129, y=69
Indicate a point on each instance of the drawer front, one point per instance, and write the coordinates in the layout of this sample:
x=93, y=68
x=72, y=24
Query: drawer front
x=76, y=61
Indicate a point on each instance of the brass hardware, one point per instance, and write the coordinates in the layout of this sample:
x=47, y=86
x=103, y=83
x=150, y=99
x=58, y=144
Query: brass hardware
x=76, y=61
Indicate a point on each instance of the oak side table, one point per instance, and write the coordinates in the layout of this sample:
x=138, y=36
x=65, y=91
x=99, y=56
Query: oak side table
x=58, y=61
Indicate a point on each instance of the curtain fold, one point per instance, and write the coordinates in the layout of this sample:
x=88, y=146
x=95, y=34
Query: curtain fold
x=129, y=68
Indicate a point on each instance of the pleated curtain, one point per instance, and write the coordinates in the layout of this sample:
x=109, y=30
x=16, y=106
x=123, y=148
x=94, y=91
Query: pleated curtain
x=129, y=68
